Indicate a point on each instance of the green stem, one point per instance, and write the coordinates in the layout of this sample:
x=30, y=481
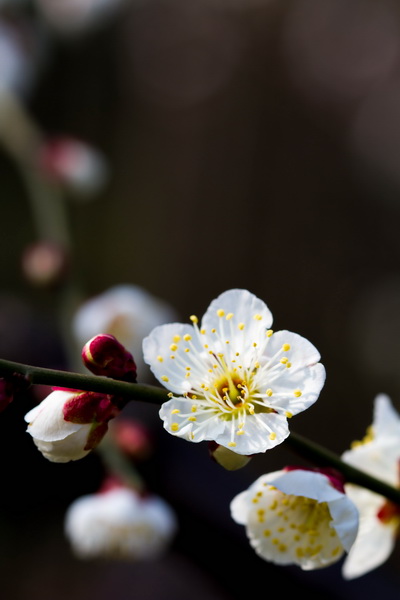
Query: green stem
x=148, y=393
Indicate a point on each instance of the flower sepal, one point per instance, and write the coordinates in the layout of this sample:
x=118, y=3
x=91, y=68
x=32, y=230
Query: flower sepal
x=227, y=458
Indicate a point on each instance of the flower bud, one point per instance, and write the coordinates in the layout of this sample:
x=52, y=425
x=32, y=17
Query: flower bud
x=68, y=424
x=226, y=458
x=73, y=164
x=104, y=355
x=131, y=437
x=44, y=263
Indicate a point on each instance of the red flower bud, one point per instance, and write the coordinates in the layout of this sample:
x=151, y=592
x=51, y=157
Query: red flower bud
x=104, y=355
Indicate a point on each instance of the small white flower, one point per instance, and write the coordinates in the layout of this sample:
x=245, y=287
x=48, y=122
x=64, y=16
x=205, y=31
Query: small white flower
x=297, y=517
x=128, y=312
x=119, y=524
x=60, y=439
x=232, y=379
x=378, y=455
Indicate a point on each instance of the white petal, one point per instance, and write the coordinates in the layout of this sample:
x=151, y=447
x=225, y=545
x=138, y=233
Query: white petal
x=302, y=353
x=246, y=309
x=176, y=413
x=375, y=540
x=166, y=341
x=67, y=449
x=377, y=458
x=262, y=431
x=46, y=421
x=307, y=381
x=386, y=422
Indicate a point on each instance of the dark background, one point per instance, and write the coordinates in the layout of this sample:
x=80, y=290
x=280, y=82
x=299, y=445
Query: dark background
x=251, y=144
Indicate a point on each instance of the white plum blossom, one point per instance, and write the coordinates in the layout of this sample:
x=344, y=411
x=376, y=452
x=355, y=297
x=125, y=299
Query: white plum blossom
x=297, y=516
x=126, y=311
x=233, y=380
x=379, y=456
x=119, y=524
x=68, y=424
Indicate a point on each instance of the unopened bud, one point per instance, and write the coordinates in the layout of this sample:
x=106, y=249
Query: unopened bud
x=104, y=355
x=74, y=164
x=231, y=461
x=131, y=437
x=44, y=263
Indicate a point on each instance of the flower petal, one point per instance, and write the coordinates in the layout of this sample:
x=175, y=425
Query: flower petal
x=166, y=341
x=375, y=540
x=236, y=308
x=46, y=421
x=386, y=421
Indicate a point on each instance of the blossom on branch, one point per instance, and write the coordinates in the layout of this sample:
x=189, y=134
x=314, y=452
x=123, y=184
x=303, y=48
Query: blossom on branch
x=232, y=379
x=118, y=523
x=379, y=456
x=297, y=516
x=68, y=424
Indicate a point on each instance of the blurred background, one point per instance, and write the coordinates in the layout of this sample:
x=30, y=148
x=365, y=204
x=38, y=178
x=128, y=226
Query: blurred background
x=237, y=143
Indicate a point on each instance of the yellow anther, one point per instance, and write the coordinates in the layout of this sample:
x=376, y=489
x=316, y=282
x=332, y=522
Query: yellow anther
x=297, y=393
x=227, y=342
x=266, y=532
x=220, y=312
x=288, y=365
x=187, y=337
x=255, y=344
x=173, y=347
x=170, y=395
x=282, y=548
x=202, y=331
x=231, y=444
x=206, y=346
x=172, y=356
x=240, y=432
x=192, y=419
x=269, y=332
x=213, y=330
x=164, y=378
x=286, y=347
x=187, y=368
x=229, y=316
x=272, y=435
x=257, y=317
x=176, y=338
x=187, y=374
x=160, y=358
x=194, y=408
x=175, y=411
x=269, y=392
x=187, y=349
x=288, y=414
x=174, y=426
x=241, y=326
x=194, y=319
x=284, y=360
x=336, y=551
